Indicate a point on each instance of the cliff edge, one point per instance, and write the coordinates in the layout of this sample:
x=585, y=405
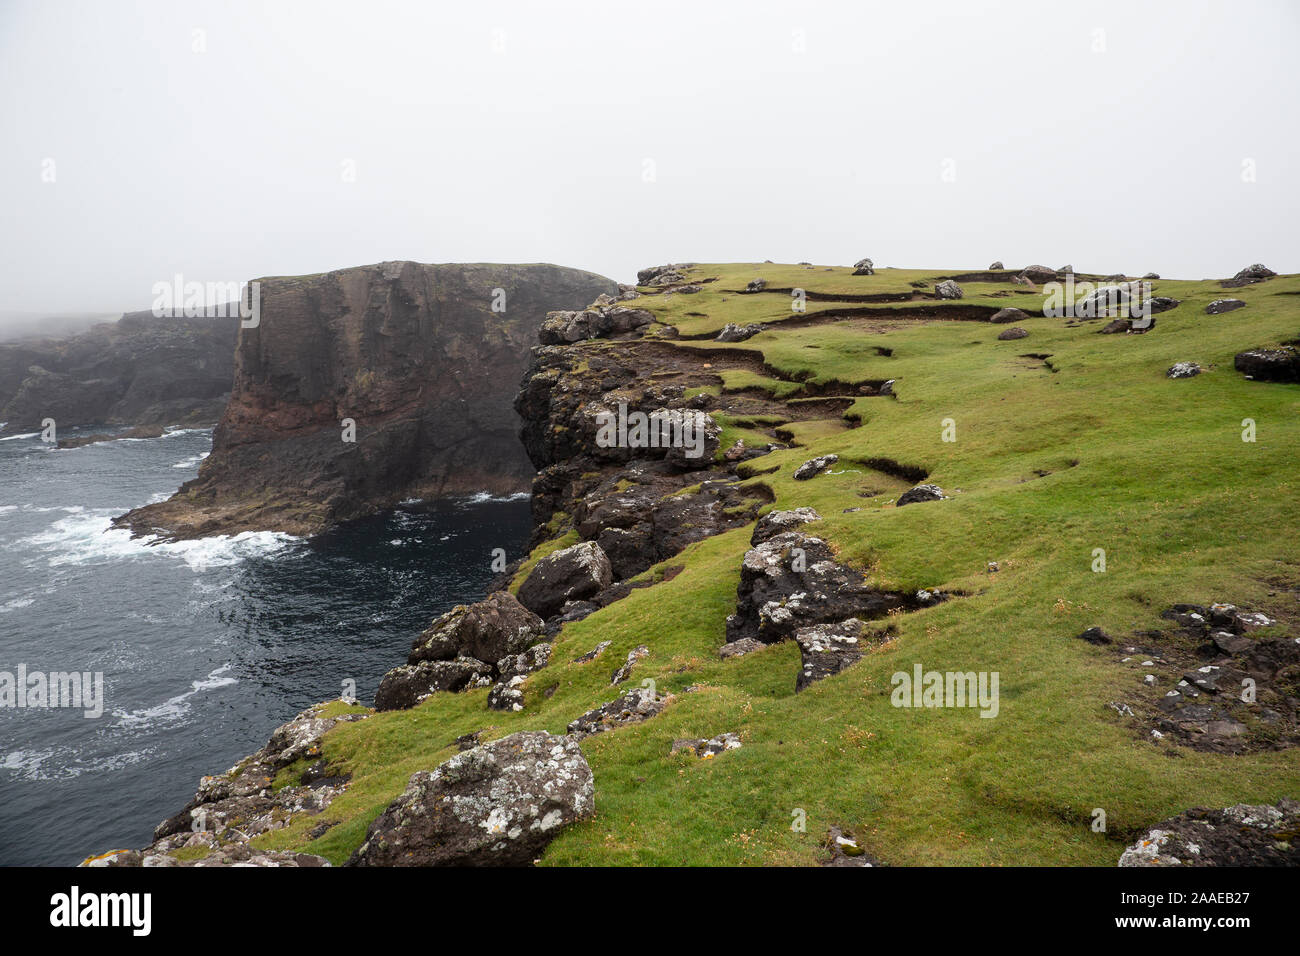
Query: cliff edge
x=365, y=386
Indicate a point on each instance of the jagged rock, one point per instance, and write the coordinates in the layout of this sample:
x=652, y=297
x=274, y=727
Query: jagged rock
x=498, y=804
x=1255, y=273
x=814, y=466
x=996, y=265
x=920, y=493
x=827, y=649
x=404, y=687
x=864, y=267
x=1095, y=635
x=624, y=672
x=740, y=648
x=756, y=285
x=791, y=581
x=1219, y=306
x=525, y=662
x=1004, y=316
x=739, y=333
x=633, y=707
x=1117, y=325
x=507, y=694
x=1269, y=365
x=487, y=630
x=592, y=654
x=1037, y=273
x=1152, y=275
x=947, y=289
x=778, y=522
x=567, y=575
x=1183, y=370
x=706, y=748
x=1241, y=835
x=648, y=276
x=736, y=452
x=561, y=328
x=887, y=388
x=1116, y=277
x=1015, y=333
x=1066, y=270
x=1162, y=303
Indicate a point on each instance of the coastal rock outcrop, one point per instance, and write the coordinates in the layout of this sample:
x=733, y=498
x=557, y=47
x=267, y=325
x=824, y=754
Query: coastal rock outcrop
x=1240, y=835
x=140, y=370
x=362, y=387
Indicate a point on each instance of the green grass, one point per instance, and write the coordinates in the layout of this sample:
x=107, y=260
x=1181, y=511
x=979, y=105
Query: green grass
x=1151, y=470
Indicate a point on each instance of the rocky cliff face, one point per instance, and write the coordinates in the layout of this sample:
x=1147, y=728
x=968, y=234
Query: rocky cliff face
x=417, y=363
x=141, y=370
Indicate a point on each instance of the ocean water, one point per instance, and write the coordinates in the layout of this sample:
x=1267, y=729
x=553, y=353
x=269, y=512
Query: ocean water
x=205, y=646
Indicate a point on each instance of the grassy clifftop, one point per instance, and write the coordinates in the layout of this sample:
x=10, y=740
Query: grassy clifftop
x=1066, y=441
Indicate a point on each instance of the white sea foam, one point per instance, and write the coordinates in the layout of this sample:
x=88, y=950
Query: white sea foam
x=87, y=537
x=16, y=437
x=483, y=497
x=194, y=460
x=176, y=707
x=64, y=763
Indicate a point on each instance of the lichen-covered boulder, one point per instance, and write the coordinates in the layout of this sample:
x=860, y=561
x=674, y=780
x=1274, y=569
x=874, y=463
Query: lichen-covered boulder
x=1241, y=835
x=1183, y=370
x=498, y=804
x=864, y=267
x=827, y=649
x=947, y=289
x=1013, y=333
x=777, y=522
x=633, y=707
x=567, y=575
x=791, y=581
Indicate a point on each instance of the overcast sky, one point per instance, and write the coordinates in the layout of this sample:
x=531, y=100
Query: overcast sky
x=226, y=141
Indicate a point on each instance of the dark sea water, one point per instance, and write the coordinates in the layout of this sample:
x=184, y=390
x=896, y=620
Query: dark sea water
x=205, y=646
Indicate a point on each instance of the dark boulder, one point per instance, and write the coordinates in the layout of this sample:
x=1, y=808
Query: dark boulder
x=1010, y=334
x=1269, y=365
x=920, y=493
x=791, y=581
x=1219, y=306
x=567, y=575
x=738, y=333
x=1004, y=316
x=813, y=467
x=487, y=630
x=405, y=686
x=827, y=649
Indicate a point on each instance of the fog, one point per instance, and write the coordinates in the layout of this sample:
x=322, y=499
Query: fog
x=227, y=141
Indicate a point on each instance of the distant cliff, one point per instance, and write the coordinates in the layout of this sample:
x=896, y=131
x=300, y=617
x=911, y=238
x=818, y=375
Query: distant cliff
x=423, y=361
x=140, y=370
